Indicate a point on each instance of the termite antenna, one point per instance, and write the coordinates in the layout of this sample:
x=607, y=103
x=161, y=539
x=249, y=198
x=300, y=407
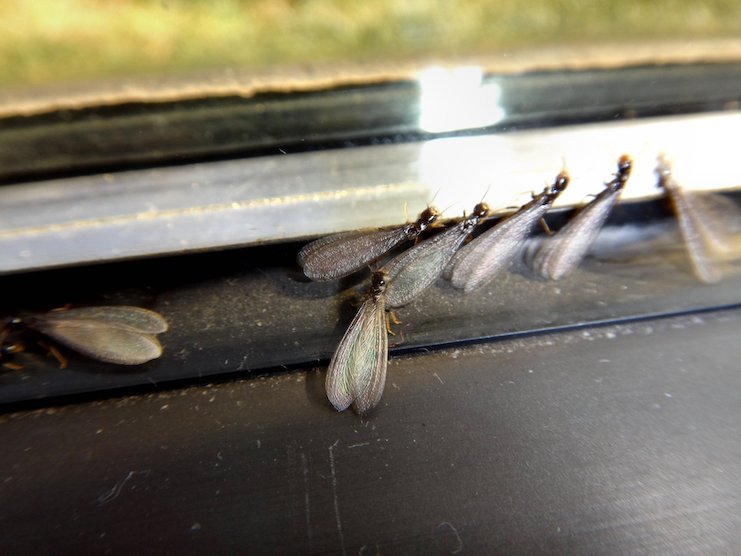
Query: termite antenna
x=485, y=194
x=564, y=166
x=451, y=205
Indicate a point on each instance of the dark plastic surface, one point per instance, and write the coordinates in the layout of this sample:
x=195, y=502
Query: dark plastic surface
x=613, y=440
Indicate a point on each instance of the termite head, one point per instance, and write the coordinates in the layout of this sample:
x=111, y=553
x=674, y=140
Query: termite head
x=561, y=182
x=480, y=211
x=625, y=165
x=7, y=348
x=557, y=187
x=429, y=215
x=426, y=219
x=378, y=284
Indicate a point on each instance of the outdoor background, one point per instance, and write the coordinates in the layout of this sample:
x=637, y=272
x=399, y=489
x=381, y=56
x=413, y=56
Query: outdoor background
x=64, y=41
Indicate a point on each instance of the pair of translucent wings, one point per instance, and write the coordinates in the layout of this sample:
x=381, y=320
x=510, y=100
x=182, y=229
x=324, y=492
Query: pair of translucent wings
x=559, y=254
x=342, y=254
x=479, y=262
x=412, y=272
x=357, y=371
x=710, y=225
x=122, y=335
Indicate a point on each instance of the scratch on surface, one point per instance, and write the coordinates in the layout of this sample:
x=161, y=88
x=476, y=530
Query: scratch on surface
x=111, y=495
x=307, y=504
x=456, y=537
x=437, y=376
x=359, y=445
x=334, y=494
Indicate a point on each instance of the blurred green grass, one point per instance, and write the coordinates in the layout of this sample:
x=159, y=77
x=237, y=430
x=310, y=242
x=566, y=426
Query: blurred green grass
x=49, y=41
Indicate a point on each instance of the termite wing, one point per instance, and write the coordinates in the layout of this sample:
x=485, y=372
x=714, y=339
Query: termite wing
x=342, y=254
x=413, y=271
x=122, y=335
x=357, y=371
x=708, y=223
x=479, y=262
x=561, y=253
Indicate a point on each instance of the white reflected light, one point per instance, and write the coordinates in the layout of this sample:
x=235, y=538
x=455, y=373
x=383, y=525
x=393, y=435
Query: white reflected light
x=505, y=169
x=452, y=99
x=465, y=170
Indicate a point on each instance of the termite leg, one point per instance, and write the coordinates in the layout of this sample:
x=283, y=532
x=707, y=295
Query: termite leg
x=546, y=228
x=11, y=366
x=55, y=353
x=401, y=340
x=388, y=327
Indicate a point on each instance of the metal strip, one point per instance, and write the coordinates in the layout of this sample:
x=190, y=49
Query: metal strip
x=231, y=203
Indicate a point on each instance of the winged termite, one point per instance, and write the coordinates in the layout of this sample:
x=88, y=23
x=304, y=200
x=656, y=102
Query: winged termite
x=342, y=254
x=357, y=371
x=559, y=254
x=412, y=272
x=123, y=335
x=477, y=263
x=708, y=223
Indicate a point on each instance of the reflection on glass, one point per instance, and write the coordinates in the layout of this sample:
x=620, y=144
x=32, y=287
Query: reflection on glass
x=452, y=99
